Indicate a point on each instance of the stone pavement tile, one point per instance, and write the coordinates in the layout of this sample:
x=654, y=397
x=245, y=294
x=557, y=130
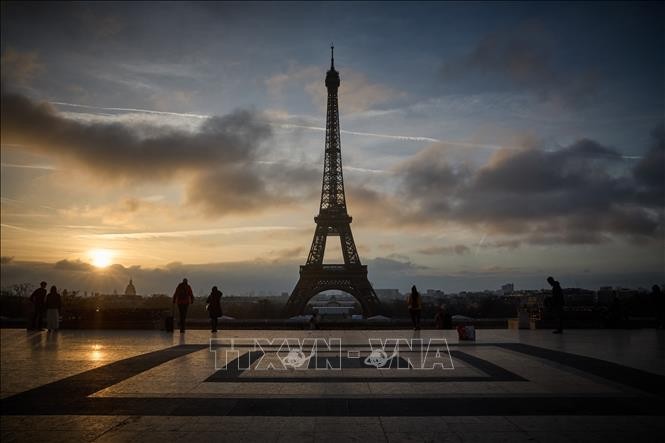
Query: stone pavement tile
x=295, y=437
x=120, y=436
x=549, y=437
x=577, y=423
x=273, y=424
x=80, y=423
x=342, y=436
x=613, y=437
x=231, y=437
x=651, y=424
x=187, y=424
x=408, y=437
x=314, y=389
x=484, y=424
x=357, y=425
x=298, y=425
x=48, y=436
x=495, y=437
x=225, y=424
x=407, y=425
x=346, y=388
x=157, y=424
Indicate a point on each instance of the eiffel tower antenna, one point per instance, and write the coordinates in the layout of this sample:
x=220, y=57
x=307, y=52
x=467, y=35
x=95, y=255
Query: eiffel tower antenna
x=333, y=221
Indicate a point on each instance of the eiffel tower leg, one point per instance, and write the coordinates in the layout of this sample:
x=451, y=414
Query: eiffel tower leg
x=299, y=297
x=348, y=246
x=365, y=294
x=318, y=245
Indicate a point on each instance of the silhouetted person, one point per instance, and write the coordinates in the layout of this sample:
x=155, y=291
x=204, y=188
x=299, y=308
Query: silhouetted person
x=557, y=303
x=442, y=318
x=214, y=307
x=183, y=297
x=314, y=321
x=415, y=307
x=659, y=305
x=53, y=305
x=37, y=299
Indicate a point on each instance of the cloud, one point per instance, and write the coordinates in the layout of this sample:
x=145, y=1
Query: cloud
x=445, y=250
x=297, y=253
x=20, y=68
x=220, y=161
x=232, y=189
x=356, y=92
x=649, y=170
x=100, y=25
x=119, y=151
x=188, y=233
x=584, y=193
x=73, y=265
x=522, y=57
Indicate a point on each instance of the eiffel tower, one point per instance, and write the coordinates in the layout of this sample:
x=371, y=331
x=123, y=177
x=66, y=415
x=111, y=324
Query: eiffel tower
x=333, y=220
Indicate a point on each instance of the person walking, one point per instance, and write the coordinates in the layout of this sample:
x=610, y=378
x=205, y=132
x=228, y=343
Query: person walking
x=440, y=318
x=53, y=305
x=557, y=303
x=183, y=297
x=214, y=306
x=415, y=307
x=37, y=299
x=314, y=321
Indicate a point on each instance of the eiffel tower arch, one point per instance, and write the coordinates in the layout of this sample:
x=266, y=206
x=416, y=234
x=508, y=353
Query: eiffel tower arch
x=333, y=221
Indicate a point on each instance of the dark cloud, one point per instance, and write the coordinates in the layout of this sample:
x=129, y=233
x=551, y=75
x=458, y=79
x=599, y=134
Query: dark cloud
x=73, y=265
x=536, y=171
x=116, y=151
x=20, y=68
x=430, y=175
x=649, y=171
x=222, y=160
x=522, y=57
x=584, y=193
x=253, y=187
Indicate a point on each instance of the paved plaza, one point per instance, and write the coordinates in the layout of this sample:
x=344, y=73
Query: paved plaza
x=292, y=386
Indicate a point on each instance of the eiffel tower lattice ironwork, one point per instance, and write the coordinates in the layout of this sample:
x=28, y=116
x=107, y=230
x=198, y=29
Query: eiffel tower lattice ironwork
x=333, y=220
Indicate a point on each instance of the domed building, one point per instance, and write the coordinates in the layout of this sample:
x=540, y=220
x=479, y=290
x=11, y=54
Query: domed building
x=130, y=289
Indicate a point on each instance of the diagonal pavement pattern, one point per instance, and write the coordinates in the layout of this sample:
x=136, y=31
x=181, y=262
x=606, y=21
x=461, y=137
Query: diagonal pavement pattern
x=507, y=386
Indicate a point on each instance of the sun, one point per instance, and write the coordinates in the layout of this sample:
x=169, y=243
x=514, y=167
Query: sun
x=101, y=258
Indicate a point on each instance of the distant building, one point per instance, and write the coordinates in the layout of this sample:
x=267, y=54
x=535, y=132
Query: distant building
x=435, y=293
x=508, y=288
x=337, y=305
x=388, y=294
x=130, y=289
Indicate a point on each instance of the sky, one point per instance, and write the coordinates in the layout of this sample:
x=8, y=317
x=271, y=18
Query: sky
x=482, y=143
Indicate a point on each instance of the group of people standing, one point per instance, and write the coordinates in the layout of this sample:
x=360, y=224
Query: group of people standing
x=442, y=320
x=45, y=303
x=183, y=297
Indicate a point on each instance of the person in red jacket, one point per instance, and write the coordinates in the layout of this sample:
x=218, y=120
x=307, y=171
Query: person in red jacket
x=183, y=297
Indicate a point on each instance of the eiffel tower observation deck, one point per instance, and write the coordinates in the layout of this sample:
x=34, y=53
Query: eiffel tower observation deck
x=333, y=221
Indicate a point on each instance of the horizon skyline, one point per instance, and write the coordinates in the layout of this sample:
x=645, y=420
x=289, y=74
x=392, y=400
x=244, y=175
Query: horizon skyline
x=496, y=147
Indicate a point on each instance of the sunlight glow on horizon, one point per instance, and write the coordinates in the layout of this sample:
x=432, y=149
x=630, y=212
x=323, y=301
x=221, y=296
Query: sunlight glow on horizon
x=101, y=258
